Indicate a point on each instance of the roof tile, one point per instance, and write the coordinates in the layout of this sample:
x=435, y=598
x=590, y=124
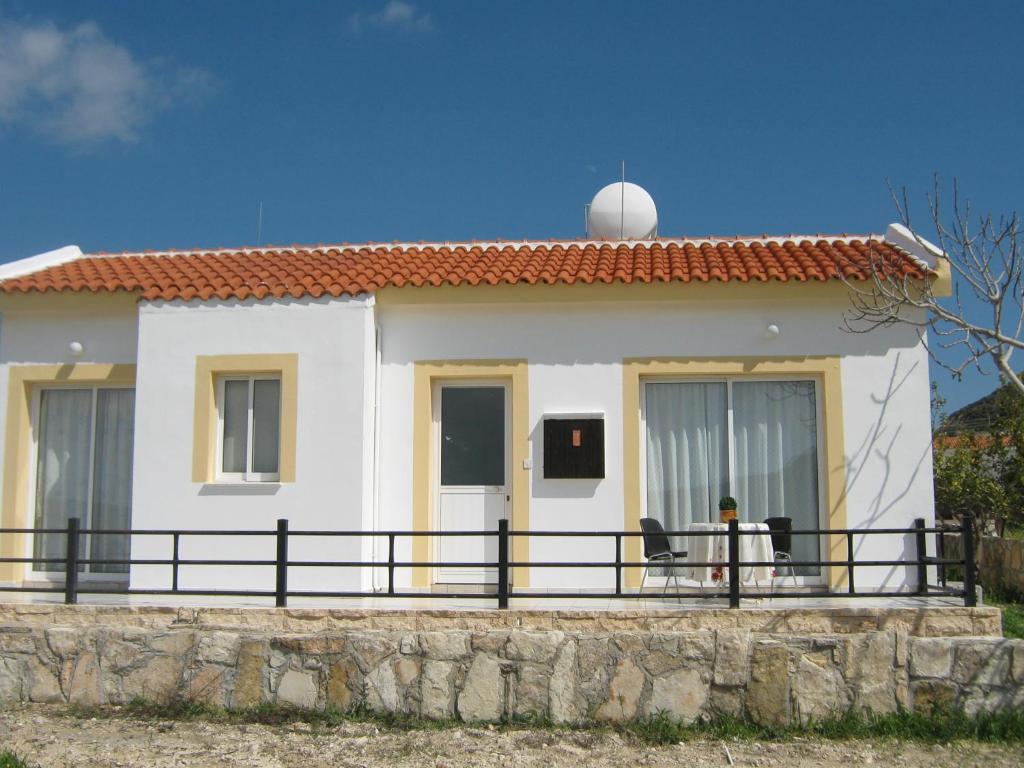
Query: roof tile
x=337, y=270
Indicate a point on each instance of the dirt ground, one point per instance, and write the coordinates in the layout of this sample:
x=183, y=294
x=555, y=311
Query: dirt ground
x=47, y=737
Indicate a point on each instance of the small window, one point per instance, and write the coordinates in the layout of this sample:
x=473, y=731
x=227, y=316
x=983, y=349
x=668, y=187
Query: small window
x=249, y=428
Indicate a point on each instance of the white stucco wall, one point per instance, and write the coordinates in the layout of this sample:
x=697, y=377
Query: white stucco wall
x=332, y=488
x=575, y=353
x=37, y=330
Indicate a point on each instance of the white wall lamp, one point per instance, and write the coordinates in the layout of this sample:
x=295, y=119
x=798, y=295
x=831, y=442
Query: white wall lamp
x=772, y=331
x=76, y=348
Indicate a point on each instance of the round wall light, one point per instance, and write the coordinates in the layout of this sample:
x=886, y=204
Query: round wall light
x=76, y=348
x=772, y=331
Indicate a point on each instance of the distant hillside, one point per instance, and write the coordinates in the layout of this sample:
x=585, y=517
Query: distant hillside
x=979, y=415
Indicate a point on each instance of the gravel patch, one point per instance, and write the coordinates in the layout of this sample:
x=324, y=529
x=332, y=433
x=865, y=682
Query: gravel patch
x=49, y=738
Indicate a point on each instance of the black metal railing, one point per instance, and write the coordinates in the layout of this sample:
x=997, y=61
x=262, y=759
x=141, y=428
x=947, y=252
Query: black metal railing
x=730, y=588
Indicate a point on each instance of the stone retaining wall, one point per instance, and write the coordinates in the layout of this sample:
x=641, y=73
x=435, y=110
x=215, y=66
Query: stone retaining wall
x=1000, y=561
x=923, y=620
x=493, y=673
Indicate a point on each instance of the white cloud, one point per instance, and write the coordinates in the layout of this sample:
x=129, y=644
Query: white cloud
x=76, y=86
x=396, y=15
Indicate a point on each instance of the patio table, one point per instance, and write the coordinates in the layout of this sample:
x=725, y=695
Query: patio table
x=710, y=549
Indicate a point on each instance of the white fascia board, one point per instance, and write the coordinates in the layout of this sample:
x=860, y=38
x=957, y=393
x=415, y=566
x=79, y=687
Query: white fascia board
x=40, y=261
x=920, y=249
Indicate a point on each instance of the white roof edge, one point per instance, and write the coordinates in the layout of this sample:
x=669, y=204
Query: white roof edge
x=920, y=249
x=40, y=261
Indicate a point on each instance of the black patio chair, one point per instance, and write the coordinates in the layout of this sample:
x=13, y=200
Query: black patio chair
x=658, y=551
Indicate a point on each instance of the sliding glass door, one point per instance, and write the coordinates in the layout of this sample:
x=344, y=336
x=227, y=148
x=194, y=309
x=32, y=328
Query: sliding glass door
x=756, y=440
x=84, y=470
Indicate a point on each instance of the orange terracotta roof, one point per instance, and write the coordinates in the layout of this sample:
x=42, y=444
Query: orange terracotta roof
x=357, y=269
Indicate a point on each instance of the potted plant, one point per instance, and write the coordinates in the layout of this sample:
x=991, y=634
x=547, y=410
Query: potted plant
x=727, y=509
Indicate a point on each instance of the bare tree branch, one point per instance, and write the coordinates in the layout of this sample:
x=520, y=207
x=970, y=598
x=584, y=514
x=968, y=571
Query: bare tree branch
x=981, y=323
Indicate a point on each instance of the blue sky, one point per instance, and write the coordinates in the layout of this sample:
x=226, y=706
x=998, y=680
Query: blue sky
x=159, y=125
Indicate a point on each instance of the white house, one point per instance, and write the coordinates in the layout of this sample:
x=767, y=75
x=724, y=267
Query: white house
x=407, y=387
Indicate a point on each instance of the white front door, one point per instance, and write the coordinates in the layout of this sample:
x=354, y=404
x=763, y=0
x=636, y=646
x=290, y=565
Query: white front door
x=472, y=476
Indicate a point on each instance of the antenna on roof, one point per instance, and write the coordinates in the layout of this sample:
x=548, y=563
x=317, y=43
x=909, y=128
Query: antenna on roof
x=622, y=204
x=259, y=225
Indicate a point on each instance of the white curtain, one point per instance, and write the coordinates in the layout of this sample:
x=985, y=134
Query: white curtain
x=62, y=473
x=776, y=441
x=112, y=476
x=687, y=452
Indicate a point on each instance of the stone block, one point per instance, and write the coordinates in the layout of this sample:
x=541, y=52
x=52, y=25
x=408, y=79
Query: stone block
x=533, y=646
x=317, y=645
x=83, y=680
x=727, y=701
x=624, y=692
x=491, y=643
x=382, y=689
x=249, y=689
x=12, y=674
x=444, y=646
x=158, y=679
x=370, y=648
x=436, y=690
x=818, y=689
x=208, y=685
x=595, y=655
x=682, y=694
x=117, y=656
x=862, y=654
x=659, y=662
x=697, y=646
x=64, y=642
x=732, y=651
x=297, y=689
x=340, y=675
x=927, y=695
x=563, y=699
x=976, y=700
x=43, y=685
x=15, y=639
x=768, y=689
x=482, y=697
x=931, y=657
x=982, y=662
x=407, y=670
x=1017, y=668
x=176, y=642
x=219, y=648
x=408, y=645
x=531, y=690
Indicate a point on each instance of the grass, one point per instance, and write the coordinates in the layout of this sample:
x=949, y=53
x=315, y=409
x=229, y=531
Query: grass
x=939, y=726
x=1012, y=607
x=11, y=760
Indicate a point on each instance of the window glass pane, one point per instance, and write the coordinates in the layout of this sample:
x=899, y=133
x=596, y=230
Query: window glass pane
x=472, y=436
x=112, y=476
x=776, y=435
x=236, y=425
x=266, y=423
x=687, y=452
x=62, y=472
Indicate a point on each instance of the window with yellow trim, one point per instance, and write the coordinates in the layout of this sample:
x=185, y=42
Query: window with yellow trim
x=249, y=428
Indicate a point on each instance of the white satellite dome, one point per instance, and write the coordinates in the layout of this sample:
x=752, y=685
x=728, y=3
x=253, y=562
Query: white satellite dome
x=622, y=211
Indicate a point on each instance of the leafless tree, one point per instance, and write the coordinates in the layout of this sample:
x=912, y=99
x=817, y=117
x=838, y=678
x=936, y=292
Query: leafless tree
x=980, y=323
